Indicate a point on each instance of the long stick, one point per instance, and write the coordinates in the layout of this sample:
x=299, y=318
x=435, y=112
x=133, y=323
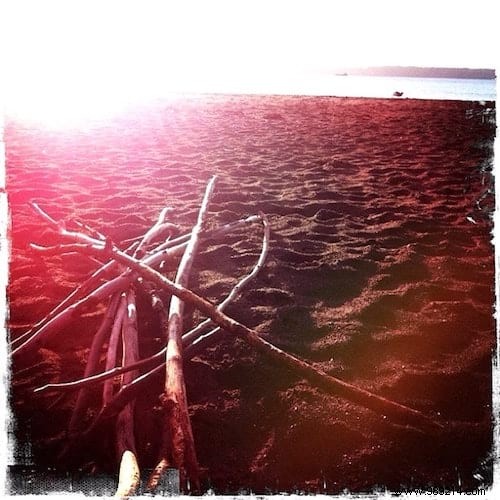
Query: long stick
x=129, y=476
x=177, y=427
x=395, y=411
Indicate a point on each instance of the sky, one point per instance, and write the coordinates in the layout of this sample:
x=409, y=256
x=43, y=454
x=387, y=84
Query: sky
x=107, y=52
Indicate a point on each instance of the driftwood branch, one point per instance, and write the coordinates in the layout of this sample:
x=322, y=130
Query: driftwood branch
x=177, y=432
x=64, y=248
x=129, y=475
x=155, y=359
x=394, y=411
x=160, y=227
x=236, y=291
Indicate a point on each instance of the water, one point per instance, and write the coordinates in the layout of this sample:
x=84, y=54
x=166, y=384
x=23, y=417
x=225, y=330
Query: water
x=426, y=88
x=462, y=89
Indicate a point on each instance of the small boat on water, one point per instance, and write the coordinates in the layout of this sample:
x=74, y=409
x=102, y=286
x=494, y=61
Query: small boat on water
x=397, y=93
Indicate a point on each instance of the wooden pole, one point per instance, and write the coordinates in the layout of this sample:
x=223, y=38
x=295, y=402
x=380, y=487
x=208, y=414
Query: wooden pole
x=177, y=427
x=129, y=475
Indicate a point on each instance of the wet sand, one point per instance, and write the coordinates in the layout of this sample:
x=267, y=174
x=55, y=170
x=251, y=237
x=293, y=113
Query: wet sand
x=380, y=272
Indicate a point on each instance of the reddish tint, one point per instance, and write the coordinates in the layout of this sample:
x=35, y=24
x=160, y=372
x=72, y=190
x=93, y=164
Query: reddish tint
x=381, y=273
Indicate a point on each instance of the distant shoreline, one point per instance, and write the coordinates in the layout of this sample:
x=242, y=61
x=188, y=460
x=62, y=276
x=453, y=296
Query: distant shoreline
x=422, y=72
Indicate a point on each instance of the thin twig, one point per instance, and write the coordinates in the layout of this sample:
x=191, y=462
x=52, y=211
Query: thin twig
x=160, y=226
x=191, y=336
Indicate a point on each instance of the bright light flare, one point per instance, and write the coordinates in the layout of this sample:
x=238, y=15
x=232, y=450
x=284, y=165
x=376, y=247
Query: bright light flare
x=71, y=60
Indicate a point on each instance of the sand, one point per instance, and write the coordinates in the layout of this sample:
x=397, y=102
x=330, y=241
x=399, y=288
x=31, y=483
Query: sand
x=380, y=272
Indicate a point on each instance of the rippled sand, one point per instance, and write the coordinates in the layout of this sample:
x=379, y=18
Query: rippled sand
x=380, y=272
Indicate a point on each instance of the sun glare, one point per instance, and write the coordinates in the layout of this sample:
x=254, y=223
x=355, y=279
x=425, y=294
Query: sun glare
x=73, y=61
x=68, y=65
x=69, y=62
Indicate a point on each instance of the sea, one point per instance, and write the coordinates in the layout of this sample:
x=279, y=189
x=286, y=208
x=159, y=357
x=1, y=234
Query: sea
x=461, y=89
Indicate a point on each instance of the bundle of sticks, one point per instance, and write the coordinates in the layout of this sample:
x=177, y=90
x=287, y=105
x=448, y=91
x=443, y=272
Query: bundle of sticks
x=117, y=336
